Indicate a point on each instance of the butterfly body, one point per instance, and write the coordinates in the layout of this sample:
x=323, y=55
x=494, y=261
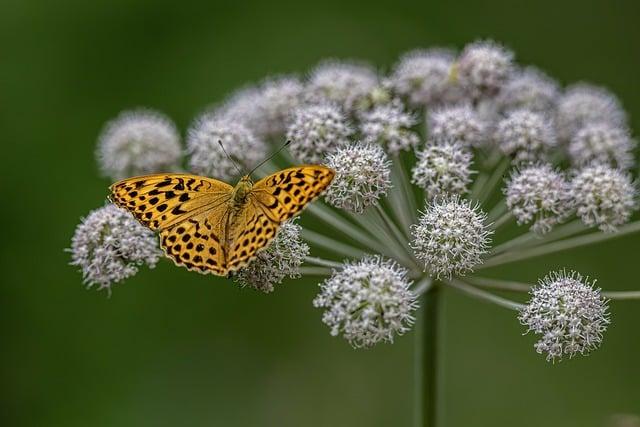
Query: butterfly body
x=211, y=227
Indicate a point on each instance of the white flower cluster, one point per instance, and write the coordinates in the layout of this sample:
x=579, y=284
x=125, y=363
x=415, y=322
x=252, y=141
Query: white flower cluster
x=367, y=302
x=525, y=135
x=317, y=130
x=424, y=77
x=281, y=259
x=568, y=313
x=451, y=236
x=363, y=175
x=604, y=197
x=540, y=195
x=460, y=123
x=138, y=142
x=443, y=167
x=109, y=246
x=207, y=157
x=390, y=126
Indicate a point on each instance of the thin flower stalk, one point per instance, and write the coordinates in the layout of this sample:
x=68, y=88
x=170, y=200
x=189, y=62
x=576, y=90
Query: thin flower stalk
x=482, y=294
x=562, y=245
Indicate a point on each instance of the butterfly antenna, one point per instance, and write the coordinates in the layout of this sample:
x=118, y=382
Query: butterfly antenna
x=270, y=157
x=235, y=164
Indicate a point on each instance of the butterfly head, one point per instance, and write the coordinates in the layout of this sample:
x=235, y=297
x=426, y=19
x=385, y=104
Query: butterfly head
x=242, y=190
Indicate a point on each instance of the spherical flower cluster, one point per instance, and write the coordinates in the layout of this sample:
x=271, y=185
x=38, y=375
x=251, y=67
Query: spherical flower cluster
x=109, y=246
x=390, y=126
x=363, y=175
x=137, y=143
x=345, y=83
x=602, y=143
x=603, y=196
x=443, y=167
x=264, y=109
x=279, y=97
x=451, y=236
x=483, y=68
x=529, y=89
x=460, y=123
x=568, y=313
x=423, y=77
x=540, y=195
x=207, y=157
x=317, y=130
x=525, y=135
x=583, y=104
x=367, y=302
x=282, y=258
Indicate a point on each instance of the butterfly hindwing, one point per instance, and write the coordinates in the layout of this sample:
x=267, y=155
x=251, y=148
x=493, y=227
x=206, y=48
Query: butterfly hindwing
x=250, y=231
x=197, y=243
x=286, y=193
x=164, y=200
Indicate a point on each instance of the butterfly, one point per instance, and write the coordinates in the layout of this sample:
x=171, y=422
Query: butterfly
x=209, y=226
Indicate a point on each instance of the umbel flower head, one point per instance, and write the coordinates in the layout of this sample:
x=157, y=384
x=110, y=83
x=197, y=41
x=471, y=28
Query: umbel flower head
x=264, y=109
x=345, y=83
x=367, y=302
x=451, y=236
x=568, y=314
x=423, y=77
x=390, y=126
x=483, y=68
x=281, y=259
x=582, y=104
x=443, y=167
x=529, y=89
x=279, y=97
x=138, y=142
x=460, y=123
x=317, y=130
x=602, y=143
x=538, y=195
x=604, y=197
x=363, y=175
x=109, y=246
x=206, y=156
x=525, y=135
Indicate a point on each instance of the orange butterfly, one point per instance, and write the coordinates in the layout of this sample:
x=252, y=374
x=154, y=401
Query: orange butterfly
x=209, y=226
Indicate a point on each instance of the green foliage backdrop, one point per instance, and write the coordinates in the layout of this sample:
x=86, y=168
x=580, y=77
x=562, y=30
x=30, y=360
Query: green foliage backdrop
x=175, y=348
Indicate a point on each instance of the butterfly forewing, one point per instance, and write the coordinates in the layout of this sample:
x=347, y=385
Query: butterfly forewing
x=164, y=200
x=286, y=193
x=273, y=199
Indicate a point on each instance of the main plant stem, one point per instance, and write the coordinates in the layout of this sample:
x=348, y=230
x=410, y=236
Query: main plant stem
x=426, y=362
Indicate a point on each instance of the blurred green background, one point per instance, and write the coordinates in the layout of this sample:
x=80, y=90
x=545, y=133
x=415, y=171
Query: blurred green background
x=176, y=348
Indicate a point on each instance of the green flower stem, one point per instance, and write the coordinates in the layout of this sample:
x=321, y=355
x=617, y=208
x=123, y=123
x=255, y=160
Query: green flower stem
x=549, y=248
x=339, y=223
x=494, y=180
x=423, y=286
x=478, y=184
x=498, y=210
x=530, y=238
x=505, y=218
x=426, y=360
x=315, y=271
x=482, y=295
x=498, y=284
x=384, y=237
x=402, y=198
x=622, y=295
x=332, y=244
x=322, y=262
